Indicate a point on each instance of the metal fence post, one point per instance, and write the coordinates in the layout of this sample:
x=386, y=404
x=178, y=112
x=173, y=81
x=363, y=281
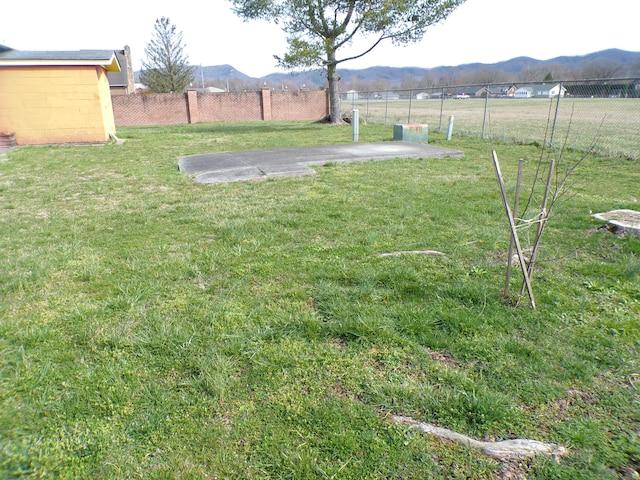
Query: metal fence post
x=486, y=107
x=366, y=117
x=410, y=100
x=386, y=106
x=450, y=128
x=555, y=116
x=441, y=109
x=355, y=124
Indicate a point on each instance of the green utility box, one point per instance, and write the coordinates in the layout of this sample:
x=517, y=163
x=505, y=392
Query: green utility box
x=412, y=132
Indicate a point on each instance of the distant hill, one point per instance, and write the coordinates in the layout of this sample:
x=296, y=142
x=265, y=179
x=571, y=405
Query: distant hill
x=604, y=64
x=518, y=64
x=220, y=72
x=607, y=63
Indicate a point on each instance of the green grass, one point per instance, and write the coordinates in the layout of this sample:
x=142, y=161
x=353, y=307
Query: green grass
x=152, y=327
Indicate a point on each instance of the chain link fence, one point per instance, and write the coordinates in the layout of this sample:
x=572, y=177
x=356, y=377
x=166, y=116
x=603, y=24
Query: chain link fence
x=601, y=115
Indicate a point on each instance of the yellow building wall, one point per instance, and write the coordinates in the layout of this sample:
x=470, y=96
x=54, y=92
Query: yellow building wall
x=108, y=118
x=65, y=104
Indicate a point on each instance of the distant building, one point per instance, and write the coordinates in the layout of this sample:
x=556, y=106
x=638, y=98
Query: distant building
x=523, y=92
x=541, y=90
x=122, y=82
x=460, y=92
x=211, y=90
x=351, y=95
x=604, y=89
x=140, y=87
x=386, y=95
x=497, y=91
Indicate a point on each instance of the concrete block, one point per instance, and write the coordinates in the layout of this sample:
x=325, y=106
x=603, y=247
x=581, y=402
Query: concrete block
x=412, y=132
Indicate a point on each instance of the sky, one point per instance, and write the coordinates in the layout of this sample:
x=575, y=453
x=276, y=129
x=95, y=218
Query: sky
x=484, y=31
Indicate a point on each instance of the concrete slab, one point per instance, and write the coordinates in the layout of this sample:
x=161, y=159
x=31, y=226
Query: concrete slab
x=286, y=170
x=237, y=174
x=255, y=164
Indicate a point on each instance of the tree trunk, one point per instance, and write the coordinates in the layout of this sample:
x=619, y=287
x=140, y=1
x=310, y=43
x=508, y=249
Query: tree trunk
x=334, y=90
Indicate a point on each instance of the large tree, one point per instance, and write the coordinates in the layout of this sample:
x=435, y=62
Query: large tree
x=167, y=66
x=317, y=29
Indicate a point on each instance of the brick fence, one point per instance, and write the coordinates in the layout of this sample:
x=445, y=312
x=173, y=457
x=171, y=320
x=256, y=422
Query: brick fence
x=194, y=107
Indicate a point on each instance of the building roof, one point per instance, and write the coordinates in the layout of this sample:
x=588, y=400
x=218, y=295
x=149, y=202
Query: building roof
x=120, y=78
x=541, y=86
x=22, y=58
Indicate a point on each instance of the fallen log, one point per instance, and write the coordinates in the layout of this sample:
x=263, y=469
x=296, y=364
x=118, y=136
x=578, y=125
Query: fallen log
x=504, y=451
x=409, y=252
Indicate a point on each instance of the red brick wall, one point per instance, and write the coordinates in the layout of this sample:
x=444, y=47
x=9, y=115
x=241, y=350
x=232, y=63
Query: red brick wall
x=230, y=107
x=296, y=104
x=158, y=109
x=171, y=108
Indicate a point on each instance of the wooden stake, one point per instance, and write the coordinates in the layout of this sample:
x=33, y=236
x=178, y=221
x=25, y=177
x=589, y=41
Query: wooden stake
x=515, y=214
x=514, y=234
x=543, y=217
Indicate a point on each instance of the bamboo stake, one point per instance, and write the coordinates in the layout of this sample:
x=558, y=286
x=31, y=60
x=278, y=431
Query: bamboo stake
x=515, y=214
x=514, y=234
x=543, y=217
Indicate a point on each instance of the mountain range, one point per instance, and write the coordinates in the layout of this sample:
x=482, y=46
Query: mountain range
x=611, y=63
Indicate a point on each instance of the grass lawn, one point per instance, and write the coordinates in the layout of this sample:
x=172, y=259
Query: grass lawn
x=152, y=327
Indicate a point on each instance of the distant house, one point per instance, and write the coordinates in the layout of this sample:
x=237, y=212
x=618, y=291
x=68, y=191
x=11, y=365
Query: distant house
x=389, y=95
x=496, y=91
x=541, y=90
x=211, y=90
x=604, y=89
x=428, y=95
x=351, y=95
x=461, y=92
x=56, y=97
x=523, y=92
x=140, y=87
x=122, y=82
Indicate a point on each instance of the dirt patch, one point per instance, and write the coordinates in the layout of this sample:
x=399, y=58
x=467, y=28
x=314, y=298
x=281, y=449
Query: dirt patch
x=513, y=471
x=444, y=357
